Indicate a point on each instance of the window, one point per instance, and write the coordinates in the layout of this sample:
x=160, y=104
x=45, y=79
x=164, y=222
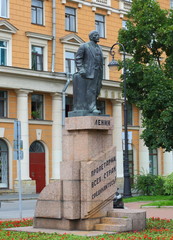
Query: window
x=37, y=58
x=131, y=163
x=153, y=161
x=100, y=25
x=3, y=164
x=104, y=68
x=3, y=104
x=3, y=52
x=70, y=62
x=37, y=12
x=171, y=4
x=3, y=8
x=68, y=105
x=101, y=106
x=38, y=51
x=129, y=114
x=36, y=147
x=7, y=30
x=70, y=19
x=124, y=24
x=37, y=106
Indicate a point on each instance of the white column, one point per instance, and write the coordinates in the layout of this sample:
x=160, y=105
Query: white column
x=56, y=134
x=22, y=115
x=168, y=163
x=117, y=135
x=143, y=150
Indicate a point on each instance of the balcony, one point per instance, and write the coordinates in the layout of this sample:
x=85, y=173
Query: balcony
x=102, y=2
x=125, y=5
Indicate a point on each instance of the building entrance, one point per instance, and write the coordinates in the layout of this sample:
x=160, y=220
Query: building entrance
x=37, y=165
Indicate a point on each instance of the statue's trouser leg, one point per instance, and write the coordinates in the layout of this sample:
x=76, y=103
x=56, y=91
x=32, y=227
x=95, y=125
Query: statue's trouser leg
x=91, y=94
x=92, y=85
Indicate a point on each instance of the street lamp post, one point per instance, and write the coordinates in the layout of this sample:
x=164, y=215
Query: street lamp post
x=113, y=63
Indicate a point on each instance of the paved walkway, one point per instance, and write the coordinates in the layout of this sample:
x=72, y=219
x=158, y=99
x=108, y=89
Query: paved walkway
x=15, y=196
x=163, y=212
x=166, y=212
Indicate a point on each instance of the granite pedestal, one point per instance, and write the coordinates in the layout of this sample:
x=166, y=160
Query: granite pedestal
x=87, y=182
x=84, y=194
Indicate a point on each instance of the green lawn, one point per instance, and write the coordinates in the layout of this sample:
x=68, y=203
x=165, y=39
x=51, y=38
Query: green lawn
x=161, y=203
x=156, y=229
x=147, y=198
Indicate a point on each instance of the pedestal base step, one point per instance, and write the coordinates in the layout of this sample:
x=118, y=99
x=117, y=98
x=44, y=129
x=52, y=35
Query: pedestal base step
x=137, y=216
x=114, y=224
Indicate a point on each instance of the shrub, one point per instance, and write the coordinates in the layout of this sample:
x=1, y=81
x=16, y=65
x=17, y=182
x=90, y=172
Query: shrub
x=149, y=184
x=168, y=184
x=159, y=186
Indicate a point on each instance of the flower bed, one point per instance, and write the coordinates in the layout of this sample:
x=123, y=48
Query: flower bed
x=160, y=229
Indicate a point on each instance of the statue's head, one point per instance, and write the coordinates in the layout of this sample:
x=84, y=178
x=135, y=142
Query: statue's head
x=94, y=36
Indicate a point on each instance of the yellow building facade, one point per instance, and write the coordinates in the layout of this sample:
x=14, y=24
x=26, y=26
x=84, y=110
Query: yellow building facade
x=38, y=42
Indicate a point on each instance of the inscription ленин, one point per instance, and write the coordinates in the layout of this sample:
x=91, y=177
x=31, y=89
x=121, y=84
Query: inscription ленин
x=102, y=122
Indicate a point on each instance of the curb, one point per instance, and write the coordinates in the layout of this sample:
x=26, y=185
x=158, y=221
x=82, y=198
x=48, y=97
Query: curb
x=156, y=207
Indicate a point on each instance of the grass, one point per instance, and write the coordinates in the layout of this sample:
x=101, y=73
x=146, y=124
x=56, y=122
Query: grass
x=147, y=198
x=156, y=229
x=160, y=203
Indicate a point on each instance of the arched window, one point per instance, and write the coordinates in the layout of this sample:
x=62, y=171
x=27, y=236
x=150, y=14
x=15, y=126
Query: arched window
x=4, y=182
x=37, y=147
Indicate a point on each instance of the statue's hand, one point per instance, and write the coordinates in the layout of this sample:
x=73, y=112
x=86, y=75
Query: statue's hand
x=82, y=72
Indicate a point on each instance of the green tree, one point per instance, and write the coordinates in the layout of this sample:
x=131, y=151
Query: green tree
x=148, y=39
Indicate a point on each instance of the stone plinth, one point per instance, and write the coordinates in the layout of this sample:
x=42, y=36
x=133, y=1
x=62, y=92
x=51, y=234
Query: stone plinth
x=49, y=203
x=84, y=194
x=84, y=138
x=88, y=141
x=138, y=217
x=88, y=122
x=98, y=184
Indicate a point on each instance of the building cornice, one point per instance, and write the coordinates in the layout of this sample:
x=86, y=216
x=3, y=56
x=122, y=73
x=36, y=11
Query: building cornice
x=39, y=35
x=30, y=73
x=40, y=122
x=52, y=82
x=94, y=5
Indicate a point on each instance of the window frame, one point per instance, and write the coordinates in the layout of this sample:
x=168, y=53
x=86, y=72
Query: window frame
x=152, y=163
x=124, y=24
x=41, y=117
x=5, y=48
x=7, y=9
x=37, y=56
x=5, y=101
x=171, y=4
x=70, y=60
x=36, y=7
x=69, y=28
x=129, y=114
x=8, y=38
x=40, y=43
x=100, y=23
x=6, y=150
x=130, y=161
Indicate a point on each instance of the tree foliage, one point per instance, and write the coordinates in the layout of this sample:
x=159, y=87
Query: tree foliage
x=148, y=38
